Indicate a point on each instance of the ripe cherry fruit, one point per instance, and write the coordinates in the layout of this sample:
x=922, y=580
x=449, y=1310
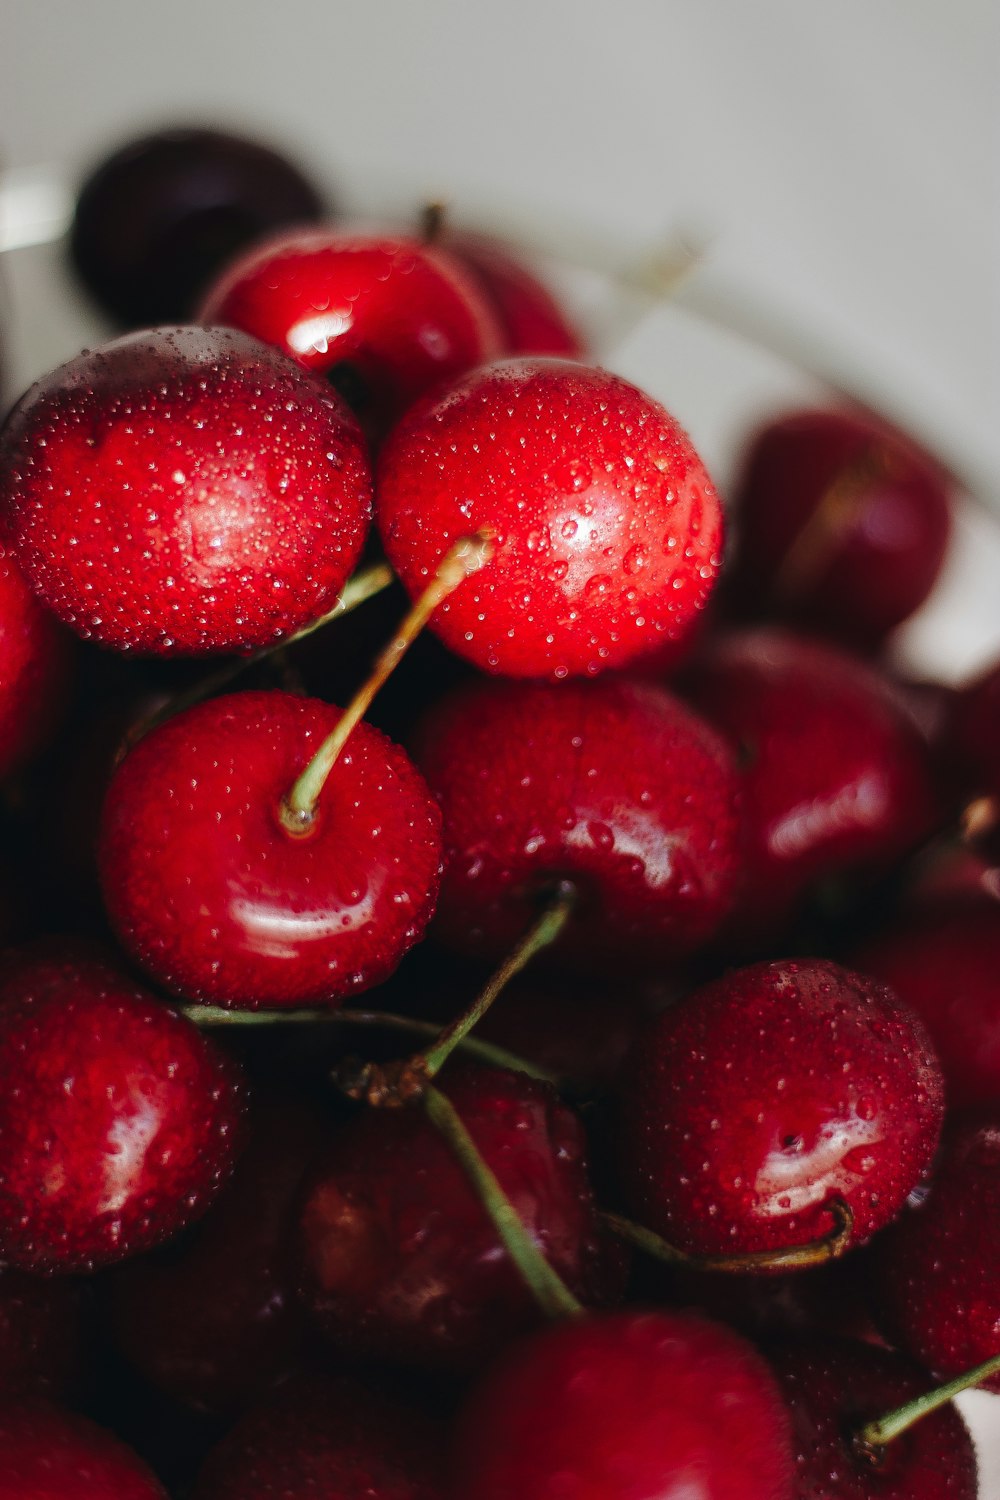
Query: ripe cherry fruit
x=34, y=668
x=51, y=1454
x=530, y=317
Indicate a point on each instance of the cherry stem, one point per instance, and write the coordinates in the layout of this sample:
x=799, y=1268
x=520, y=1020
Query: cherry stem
x=840, y=504
x=548, y=1288
x=795, y=1257
x=433, y=217
x=461, y=560
x=875, y=1435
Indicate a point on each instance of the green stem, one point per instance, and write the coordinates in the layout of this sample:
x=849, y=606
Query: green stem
x=549, y=1290
x=875, y=1435
x=795, y=1257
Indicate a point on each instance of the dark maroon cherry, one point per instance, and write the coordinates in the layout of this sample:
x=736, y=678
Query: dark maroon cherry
x=219, y=901
x=160, y=216
x=614, y=786
x=332, y=1440
x=530, y=317
x=34, y=668
x=833, y=1387
x=184, y=491
x=974, y=742
x=50, y=1454
x=607, y=531
x=41, y=1335
x=629, y=1405
x=843, y=526
x=400, y=1260
x=757, y=1101
x=119, y=1120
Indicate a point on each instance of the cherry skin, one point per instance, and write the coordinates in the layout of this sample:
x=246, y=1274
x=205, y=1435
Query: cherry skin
x=50, y=1454
x=119, y=1120
x=759, y=1099
x=843, y=526
x=530, y=317
x=385, y=318
x=974, y=743
x=219, y=902
x=833, y=1387
x=615, y=786
x=836, y=779
x=624, y=1407
x=607, y=531
x=184, y=491
x=330, y=1439
x=34, y=669
x=400, y=1260
x=160, y=216
x=939, y=1267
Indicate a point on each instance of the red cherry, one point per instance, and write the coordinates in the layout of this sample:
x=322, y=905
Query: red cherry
x=211, y=893
x=614, y=786
x=386, y=318
x=184, y=491
x=329, y=1439
x=530, y=317
x=843, y=525
x=34, y=669
x=50, y=1454
x=628, y=1405
x=756, y=1101
x=835, y=778
x=400, y=1260
x=607, y=530
x=41, y=1334
x=833, y=1387
x=939, y=1281
x=974, y=743
x=119, y=1121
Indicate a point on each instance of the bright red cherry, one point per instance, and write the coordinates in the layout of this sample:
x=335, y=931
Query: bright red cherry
x=220, y=902
x=754, y=1103
x=401, y=1261
x=50, y=1454
x=833, y=1387
x=34, y=668
x=607, y=530
x=624, y=1407
x=843, y=525
x=835, y=778
x=530, y=317
x=119, y=1120
x=385, y=318
x=332, y=1440
x=614, y=786
x=184, y=491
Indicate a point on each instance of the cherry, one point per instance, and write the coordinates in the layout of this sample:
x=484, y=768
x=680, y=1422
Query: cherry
x=939, y=1267
x=400, y=1260
x=614, y=786
x=835, y=778
x=530, y=317
x=161, y=215
x=843, y=525
x=34, y=669
x=943, y=961
x=833, y=1387
x=50, y=1454
x=41, y=1334
x=386, y=319
x=213, y=894
x=182, y=491
x=607, y=530
x=119, y=1121
x=974, y=743
x=330, y=1439
x=753, y=1104
x=626, y=1405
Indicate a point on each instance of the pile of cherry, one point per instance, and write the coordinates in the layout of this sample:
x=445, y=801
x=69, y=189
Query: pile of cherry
x=597, y=1099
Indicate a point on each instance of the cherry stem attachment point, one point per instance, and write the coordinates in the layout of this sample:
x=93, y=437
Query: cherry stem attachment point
x=548, y=1288
x=433, y=217
x=874, y=1436
x=793, y=1258
x=464, y=558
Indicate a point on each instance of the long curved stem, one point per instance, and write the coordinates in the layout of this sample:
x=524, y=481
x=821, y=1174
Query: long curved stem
x=794, y=1257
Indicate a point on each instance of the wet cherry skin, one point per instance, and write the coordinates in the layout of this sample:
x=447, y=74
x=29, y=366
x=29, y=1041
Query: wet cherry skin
x=184, y=491
x=400, y=1261
x=119, y=1120
x=843, y=526
x=530, y=317
x=626, y=1406
x=159, y=217
x=615, y=786
x=403, y=316
x=35, y=664
x=755, y=1101
x=607, y=531
x=833, y=1387
x=47, y=1453
x=211, y=894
